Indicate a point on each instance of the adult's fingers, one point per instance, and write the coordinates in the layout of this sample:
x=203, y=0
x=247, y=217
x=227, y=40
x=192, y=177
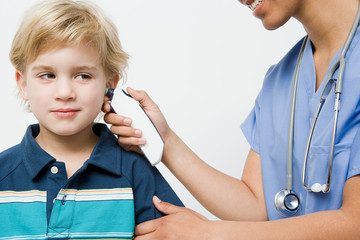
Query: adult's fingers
x=146, y=228
x=117, y=120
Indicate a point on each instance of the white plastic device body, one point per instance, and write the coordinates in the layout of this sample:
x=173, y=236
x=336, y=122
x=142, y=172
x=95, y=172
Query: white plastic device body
x=123, y=104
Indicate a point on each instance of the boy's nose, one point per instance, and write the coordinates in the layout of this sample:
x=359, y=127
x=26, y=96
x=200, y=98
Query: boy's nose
x=64, y=89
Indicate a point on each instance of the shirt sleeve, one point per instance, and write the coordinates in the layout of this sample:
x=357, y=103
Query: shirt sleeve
x=147, y=181
x=354, y=161
x=250, y=127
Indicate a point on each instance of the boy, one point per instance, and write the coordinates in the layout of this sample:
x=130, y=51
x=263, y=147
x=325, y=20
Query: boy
x=68, y=178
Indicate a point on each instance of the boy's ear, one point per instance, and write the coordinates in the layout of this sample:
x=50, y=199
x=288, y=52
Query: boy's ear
x=113, y=81
x=21, y=84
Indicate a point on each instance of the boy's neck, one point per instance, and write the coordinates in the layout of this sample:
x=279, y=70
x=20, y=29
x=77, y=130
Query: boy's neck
x=73, y=150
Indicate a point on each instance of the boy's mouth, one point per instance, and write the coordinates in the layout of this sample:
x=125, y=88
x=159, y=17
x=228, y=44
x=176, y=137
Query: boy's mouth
x=65, y=112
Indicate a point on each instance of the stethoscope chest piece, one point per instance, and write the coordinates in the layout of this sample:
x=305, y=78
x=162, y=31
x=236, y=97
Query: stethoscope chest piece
x=287, y=202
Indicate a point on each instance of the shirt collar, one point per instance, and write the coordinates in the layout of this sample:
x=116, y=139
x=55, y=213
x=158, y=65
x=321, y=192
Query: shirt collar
x=106, y=154
x=35, y=157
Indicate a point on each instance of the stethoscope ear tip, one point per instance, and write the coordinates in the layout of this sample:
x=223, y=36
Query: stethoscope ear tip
x=317, y=187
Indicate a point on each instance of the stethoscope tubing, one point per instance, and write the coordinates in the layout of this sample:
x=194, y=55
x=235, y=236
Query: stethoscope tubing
x=289, y=181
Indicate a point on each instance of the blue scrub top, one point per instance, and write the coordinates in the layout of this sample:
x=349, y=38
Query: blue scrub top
x=266, y=129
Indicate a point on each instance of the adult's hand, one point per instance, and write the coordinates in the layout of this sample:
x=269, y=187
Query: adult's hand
x=180, y=223
x=130, y=138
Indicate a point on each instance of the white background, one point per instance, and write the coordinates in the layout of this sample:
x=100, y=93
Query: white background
x=202, y=62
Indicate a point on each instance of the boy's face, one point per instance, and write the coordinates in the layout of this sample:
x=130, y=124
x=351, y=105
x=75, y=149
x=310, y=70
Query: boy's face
x=65, y=88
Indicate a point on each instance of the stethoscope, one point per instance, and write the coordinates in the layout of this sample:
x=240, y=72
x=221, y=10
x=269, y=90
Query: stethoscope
x=287, y=201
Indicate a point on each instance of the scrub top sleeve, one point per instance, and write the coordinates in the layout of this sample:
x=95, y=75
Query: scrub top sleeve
x=354, y=165
x=250, y=127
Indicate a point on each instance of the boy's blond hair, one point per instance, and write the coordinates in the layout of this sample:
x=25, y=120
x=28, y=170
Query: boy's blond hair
x=51, y=24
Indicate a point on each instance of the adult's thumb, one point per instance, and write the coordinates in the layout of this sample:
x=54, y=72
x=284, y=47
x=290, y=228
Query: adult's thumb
x=142, y=97
x=166, y=207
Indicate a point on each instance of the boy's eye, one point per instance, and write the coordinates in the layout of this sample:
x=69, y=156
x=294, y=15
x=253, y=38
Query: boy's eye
x=83, y=76
x=47, y=76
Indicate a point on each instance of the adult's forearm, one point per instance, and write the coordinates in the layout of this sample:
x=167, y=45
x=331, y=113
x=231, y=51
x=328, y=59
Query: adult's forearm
x=322, y=225
x=224, y=196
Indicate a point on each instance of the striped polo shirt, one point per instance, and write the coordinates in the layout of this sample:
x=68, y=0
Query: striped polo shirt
x=104, y=199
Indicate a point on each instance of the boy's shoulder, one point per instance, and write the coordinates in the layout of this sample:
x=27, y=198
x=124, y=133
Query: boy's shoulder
x=114, y=156
x=10, y=153
x=10, y=159
x=132, y=163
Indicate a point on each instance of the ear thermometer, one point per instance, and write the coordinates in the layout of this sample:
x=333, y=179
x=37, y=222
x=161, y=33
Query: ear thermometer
x=123, y=104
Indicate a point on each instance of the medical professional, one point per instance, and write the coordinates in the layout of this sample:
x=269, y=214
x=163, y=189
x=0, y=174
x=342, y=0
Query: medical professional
x=301, y=177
